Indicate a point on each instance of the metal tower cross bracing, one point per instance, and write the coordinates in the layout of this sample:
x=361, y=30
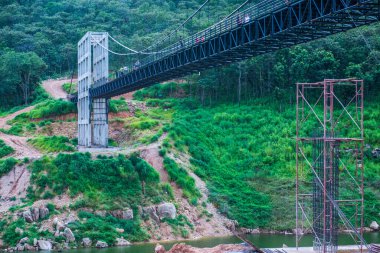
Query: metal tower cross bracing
x=92, y=73
x=329, y=161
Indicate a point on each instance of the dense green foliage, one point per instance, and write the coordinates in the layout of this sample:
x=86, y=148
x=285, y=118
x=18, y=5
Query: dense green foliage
x=11, y=237
x=5, y=149
x=118, y=105
x=244, y=154
x=106, y=182
x=52, y=144
x=104, y=228
x=7, y=165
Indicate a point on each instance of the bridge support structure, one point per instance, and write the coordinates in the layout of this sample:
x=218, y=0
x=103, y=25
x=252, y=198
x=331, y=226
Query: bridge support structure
x=92, y=73
x=329, y=162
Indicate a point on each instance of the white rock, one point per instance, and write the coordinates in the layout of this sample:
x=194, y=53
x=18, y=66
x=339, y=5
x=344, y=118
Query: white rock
x=101, y=244
x=44, y=245
x=374, y=225
x=122, y=242
x=86, y=242
x=167, y=210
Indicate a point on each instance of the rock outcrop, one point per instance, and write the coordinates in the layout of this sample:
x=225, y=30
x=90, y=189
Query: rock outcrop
x=69, y=235
x=101, y=244
x=374, y=225
x=123, y=214
x=167, y=210
x=86, y=242
x=35, y=214
x=122, y=242
x=44, y=245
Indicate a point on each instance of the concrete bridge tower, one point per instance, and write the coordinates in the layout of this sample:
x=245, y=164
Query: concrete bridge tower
x=92, y=72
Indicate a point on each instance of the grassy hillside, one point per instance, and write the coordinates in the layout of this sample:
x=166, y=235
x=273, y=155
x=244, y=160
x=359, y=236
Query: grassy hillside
x=246, y=154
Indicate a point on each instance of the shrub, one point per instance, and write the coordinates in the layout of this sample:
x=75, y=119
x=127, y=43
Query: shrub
x=4, y=149
x=52, y=144
x=7, y=165
x=118, y=105
x=107, y=182
x=182, y=179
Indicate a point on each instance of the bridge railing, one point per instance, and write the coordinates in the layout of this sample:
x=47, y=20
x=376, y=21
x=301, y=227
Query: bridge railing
x=258, y=10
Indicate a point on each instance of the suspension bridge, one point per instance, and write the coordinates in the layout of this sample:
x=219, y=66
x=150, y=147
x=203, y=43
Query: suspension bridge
x=262, y=28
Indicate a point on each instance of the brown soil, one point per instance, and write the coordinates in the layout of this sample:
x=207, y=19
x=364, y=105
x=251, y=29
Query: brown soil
x=54, y=87
x=21, y=146
x=13, y=184
x=3, y=120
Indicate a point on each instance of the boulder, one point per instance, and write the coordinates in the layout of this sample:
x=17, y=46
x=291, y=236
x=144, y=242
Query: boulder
x=19, y=247
x=297, y=231
x=70, y=219
x=35, y=242
x=27, y=216
x=167, y=210
x=119, y=230
x=86, y=242
x=44, y=212
x=122, y=242
x=69, y=235
x=19, y=231
x=100, y=213
x=24, y=240
x=123, y=214
x=58, y=224
x=29, y=247
x=374, y=225
x=44, y=245
x=151, y=212
x=159, y=249
x=101, y=244
x=35, y=213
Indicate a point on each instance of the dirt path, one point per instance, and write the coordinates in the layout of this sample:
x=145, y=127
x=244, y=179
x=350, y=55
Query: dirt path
x=3, y=120
x=21, y=146
x=54, y=87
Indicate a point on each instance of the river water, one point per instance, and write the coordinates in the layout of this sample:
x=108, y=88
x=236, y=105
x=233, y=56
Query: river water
x=262, y=240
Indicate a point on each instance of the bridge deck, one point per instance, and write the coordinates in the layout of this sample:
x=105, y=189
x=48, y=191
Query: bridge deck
x=267, y=29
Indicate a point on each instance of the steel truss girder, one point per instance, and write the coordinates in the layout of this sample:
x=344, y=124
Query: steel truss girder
x=300, y=22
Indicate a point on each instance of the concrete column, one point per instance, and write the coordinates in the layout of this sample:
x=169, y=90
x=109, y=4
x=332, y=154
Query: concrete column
x=84, y=84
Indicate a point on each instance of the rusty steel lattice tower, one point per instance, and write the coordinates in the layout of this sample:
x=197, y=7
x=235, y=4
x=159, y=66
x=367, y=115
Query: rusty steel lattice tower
x=329, y=162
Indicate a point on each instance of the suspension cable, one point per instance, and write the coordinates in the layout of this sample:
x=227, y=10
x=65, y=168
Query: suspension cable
x=130, y=49
x=109, y=50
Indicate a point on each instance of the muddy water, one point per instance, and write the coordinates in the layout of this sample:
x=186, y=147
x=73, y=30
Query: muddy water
x=263, y=241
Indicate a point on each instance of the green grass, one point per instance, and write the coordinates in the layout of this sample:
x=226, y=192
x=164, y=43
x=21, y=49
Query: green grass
x=104, y=228
x=51, y=144
x=48, y=109
x=4, y=149
x=246, y=156
x=180, y=176
x=118, y=105
x=7, y=165
x=31, y=231
x=105, y=183
x=69, y=88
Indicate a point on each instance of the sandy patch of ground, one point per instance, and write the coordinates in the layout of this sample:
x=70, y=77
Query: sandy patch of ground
x=13, y=184
x=54, y=87
x=21, y=146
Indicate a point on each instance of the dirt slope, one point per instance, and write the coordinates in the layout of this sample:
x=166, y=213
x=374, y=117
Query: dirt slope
x=13, y=185
x=54, y=87
x=3, y=120
x=21, y=146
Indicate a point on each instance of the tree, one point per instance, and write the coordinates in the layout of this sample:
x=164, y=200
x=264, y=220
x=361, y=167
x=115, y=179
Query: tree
x=20, y=70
